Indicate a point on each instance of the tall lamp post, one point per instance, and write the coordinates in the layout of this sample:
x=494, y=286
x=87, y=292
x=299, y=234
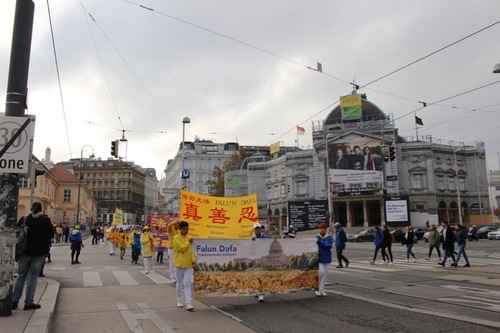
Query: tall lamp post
x=329, y=193
x=184, y=174
x=458, y=187
x=80, y=182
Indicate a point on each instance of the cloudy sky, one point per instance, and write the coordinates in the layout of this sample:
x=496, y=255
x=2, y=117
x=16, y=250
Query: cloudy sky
x=239, y=70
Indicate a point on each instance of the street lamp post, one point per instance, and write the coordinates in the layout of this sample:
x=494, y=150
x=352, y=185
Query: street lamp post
x=80, y=182
x=329, y=193
x=185, y=121
x=458, y=188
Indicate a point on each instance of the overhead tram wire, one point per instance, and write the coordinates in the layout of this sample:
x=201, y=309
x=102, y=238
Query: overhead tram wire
x=307, y=67
x=59, y=78
x=430, y=54
x=447, y=98
x=130, y=68
x=102, y=66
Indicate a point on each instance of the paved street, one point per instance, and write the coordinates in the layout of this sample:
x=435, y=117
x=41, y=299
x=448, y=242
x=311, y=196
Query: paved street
x=404, y=297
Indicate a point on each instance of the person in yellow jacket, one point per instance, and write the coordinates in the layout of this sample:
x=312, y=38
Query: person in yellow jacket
x=122, y=242
x=184, y=262
x=113, y=240
x=172, y=230
x=147, y=247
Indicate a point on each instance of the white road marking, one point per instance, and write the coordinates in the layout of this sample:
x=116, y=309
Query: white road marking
x=92, y=279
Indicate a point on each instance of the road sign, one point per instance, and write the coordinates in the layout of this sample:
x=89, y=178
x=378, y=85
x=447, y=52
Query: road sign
x=17, y=156
x=185, y=174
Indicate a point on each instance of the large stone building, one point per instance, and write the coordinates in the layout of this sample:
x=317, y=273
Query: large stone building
x=371, y=170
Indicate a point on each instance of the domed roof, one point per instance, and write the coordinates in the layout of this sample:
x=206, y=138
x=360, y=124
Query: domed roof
x=275, y=248
x=369, y=110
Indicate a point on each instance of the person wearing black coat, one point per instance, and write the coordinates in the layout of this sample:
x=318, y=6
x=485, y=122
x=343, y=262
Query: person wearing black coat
x=448, y=241
x=40, y=232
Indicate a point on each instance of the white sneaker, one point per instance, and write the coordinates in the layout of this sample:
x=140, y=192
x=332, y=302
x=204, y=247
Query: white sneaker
x=323, y=293
x=415, y=260
x=391, y=263
x=179, y=305
x=147, y=272
x=427, y=258
x=385, y=263
x=407, y=260
x=318, y=293
x=261, y=298
x=372, y=262
x=189, y=307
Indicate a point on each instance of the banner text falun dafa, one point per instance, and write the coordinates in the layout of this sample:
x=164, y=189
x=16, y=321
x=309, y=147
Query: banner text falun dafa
x=219, y=217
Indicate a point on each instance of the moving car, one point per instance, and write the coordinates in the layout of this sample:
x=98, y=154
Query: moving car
x=362, y=235
x=419, y=232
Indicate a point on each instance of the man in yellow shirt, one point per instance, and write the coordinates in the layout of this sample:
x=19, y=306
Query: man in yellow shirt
x=184, y=262
x=172, y=230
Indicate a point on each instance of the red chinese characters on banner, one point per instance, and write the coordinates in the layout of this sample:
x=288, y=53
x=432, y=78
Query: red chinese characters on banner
x=191, y=212
x=219, y=216
x=249, y=214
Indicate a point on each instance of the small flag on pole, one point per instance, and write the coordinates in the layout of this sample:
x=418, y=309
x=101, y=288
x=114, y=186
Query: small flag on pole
x=419, y=121
x=301, y=130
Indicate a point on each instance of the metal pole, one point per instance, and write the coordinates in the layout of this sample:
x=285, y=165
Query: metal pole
x=15, y=106
x=460, y=221
x=80, y=182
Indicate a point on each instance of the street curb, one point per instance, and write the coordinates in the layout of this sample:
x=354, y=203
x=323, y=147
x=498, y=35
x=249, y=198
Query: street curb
x=41, y=319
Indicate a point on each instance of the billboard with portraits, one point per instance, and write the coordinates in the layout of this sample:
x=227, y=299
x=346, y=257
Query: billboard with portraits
x=356, y=161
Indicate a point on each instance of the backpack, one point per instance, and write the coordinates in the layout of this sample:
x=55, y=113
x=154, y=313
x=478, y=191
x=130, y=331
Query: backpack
x=21, y=239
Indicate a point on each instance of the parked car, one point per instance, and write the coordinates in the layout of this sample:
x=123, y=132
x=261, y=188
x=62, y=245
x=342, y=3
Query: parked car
x=362, y=235
x=419, y=232
x=483, y=231
x=494, y=235
x=398, y=235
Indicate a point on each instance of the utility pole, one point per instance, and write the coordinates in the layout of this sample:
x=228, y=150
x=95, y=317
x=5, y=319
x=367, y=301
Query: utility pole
x=15, y=106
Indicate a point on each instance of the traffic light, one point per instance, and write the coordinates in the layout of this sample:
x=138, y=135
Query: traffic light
x=114, y=148
x=392, y=153
x=288, y=189
x=38, y=172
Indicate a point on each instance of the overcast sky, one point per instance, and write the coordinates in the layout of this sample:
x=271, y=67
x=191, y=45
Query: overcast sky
x=238, y=70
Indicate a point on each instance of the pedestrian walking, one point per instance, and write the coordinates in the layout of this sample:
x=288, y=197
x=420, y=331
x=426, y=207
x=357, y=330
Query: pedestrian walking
x=325, y=243
x=257, y=234
x=136, y=244
x=65, y=232
x=409, y=240
x=95, y=235
x=448, y=240
x=122, y=243
x=434, y=242
x=147, y=248
x=377, y=242
x=39, y=234
x=112, y=240
x=387, y=246
x=76, y=241
x=340, y=242
x=461, y=236
x=184, y=262
x=172, y=230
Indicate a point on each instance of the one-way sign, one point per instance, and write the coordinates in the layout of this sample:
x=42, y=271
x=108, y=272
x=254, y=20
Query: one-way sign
x=16, y=158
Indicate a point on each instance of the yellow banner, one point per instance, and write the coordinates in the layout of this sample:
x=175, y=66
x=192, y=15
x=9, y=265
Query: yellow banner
x=117, y=217
x=219, y=217
x=274, y=147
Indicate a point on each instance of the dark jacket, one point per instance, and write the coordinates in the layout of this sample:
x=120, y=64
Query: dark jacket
x=387, y=238
x=40, y=232
x=324, y=249
x=449, y=240
x=461, y=237
x=408, y=238
x=340, y=237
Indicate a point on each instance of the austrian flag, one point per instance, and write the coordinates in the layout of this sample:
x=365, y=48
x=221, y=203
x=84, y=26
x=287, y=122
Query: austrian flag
x=300, y=130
